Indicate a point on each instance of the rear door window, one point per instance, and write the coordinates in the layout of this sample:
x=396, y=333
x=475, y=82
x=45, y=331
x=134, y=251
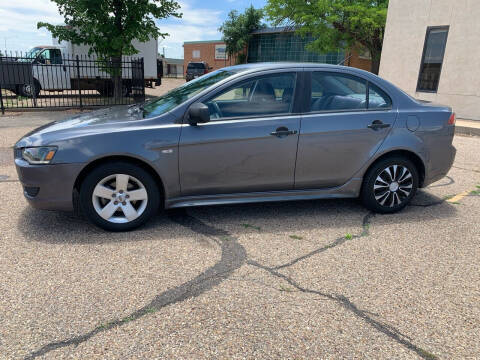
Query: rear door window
x=337, y=92
x=344, y=92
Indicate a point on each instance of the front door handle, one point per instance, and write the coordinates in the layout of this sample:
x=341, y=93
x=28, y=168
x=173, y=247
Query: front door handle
x=283, y=131
x=378, y=124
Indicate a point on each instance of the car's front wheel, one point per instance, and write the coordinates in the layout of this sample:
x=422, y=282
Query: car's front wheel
x=119, y=196
x=389, y=185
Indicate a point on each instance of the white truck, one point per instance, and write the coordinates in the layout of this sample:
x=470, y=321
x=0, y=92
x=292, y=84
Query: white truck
x=55, y=68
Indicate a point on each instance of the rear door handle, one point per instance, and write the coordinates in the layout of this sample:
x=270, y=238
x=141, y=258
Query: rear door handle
x=282, y=131
x=378, y=124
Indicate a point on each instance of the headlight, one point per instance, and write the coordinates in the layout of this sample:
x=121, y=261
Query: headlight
x=39, y=155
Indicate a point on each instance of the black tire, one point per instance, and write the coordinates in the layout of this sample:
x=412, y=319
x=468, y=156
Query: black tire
x=16, y=90
x=390, y=198
x=30, y=91
x=105, y=89
x=109, y=170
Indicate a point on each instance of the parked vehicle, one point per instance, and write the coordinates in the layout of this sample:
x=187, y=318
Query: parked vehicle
x=52, y=68
x=242, y=134
x=196, y=69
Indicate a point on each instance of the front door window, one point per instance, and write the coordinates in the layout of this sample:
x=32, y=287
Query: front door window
x=264, y=95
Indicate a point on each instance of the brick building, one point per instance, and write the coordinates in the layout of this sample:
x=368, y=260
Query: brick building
x=359, y=59
x=210, y=51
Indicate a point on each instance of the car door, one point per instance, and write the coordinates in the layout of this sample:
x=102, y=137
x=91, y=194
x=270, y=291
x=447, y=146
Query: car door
x=348, y=120
x=250, y=143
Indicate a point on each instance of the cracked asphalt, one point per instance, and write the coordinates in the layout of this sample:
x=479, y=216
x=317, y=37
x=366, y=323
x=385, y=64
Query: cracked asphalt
x=310, y=279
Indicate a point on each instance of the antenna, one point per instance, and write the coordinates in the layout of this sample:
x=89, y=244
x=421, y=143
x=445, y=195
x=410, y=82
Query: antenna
x=343, y=61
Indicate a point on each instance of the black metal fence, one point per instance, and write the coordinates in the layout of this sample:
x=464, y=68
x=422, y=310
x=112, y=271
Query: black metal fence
x=52, y=80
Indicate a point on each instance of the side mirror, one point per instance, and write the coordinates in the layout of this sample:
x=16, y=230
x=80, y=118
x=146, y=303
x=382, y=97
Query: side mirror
x=198, y=114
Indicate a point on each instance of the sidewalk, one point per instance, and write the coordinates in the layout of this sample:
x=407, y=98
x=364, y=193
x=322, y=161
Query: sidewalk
x=467, y=127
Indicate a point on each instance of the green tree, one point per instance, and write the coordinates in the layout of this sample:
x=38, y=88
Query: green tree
x=109, y=26
x=335, y=23
x=237, y=31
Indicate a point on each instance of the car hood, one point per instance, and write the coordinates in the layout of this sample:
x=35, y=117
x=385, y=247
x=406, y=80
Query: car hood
x=104, y=120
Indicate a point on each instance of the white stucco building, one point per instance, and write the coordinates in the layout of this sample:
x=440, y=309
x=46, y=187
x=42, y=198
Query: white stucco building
x=431, y=50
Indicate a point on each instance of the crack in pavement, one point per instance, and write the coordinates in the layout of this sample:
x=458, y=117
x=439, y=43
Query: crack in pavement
x=337, y=242
x=5, y=178
x=342, y=300
x=466, y=169
x=233, y=257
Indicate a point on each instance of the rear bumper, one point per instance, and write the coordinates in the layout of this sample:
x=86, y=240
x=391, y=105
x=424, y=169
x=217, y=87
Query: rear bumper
x=441, y=169
x=48, y=187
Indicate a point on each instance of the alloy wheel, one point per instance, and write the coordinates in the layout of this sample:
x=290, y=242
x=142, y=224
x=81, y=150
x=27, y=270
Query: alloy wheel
x=119, y=198
x=393, y=186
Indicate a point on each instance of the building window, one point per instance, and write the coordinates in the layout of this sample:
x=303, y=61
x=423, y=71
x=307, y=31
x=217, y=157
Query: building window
x=432, y=59
x=196, y=54
x=287, y=46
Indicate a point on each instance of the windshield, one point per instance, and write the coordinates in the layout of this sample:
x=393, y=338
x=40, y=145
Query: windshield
x=196, y=66
x=31, y=54
x=182, y=93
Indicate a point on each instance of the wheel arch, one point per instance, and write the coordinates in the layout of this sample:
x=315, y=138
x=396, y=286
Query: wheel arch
x=38, y=82
x=408, y=154
x=129, y=159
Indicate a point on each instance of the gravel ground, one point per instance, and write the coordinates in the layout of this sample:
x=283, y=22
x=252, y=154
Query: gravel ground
x=314, y=279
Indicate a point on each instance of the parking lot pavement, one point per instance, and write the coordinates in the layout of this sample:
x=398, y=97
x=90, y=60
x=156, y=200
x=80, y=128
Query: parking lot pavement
x=312, y=279
x=167, y=85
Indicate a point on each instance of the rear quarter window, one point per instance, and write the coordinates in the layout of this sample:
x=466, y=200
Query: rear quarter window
x=377, y=98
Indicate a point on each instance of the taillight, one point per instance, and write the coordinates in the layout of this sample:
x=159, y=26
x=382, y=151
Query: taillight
x=205, y=71
x=451, y=121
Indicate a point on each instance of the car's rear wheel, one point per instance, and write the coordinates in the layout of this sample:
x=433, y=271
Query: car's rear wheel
x=119, y=196
x=390, y=185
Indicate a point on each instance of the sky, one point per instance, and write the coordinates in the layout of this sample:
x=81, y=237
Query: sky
x=201, y=20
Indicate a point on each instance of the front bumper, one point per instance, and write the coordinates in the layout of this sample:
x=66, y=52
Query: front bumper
x=54, y=182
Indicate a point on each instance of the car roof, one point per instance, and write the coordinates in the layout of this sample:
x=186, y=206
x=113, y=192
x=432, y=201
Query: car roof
x=46, y=47
x=252, y=67
x=280, y=65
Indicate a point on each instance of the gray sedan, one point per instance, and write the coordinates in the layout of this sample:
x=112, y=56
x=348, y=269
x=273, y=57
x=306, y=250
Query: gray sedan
x=242, y=134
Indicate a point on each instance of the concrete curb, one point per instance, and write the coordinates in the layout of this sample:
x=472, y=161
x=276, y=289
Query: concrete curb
x=469, y=131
